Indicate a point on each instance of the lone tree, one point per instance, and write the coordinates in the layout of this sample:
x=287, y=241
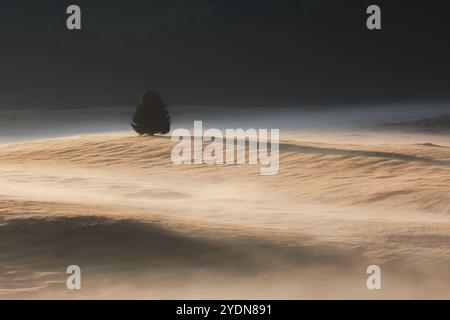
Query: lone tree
x=152, y=115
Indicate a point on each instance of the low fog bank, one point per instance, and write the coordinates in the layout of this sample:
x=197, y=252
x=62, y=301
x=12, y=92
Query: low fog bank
x=305, y=118
x=152, y=261
x=22, y=125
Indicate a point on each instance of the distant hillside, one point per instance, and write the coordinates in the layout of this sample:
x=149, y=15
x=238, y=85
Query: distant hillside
x=439, y=124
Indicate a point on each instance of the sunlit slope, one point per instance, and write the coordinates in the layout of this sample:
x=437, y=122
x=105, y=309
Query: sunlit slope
x=403, y=177
x=119, y=207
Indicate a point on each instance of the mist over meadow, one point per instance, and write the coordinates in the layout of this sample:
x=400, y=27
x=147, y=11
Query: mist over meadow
x=51, y=122
x=364, y=164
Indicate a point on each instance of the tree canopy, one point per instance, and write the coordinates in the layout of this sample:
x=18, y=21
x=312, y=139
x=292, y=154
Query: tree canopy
x=152, y=115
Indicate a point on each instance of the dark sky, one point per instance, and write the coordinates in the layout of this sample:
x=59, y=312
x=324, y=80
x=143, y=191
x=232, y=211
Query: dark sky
x=224, y=52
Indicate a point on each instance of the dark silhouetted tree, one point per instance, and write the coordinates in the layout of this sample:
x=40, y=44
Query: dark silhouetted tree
x=152, y=115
